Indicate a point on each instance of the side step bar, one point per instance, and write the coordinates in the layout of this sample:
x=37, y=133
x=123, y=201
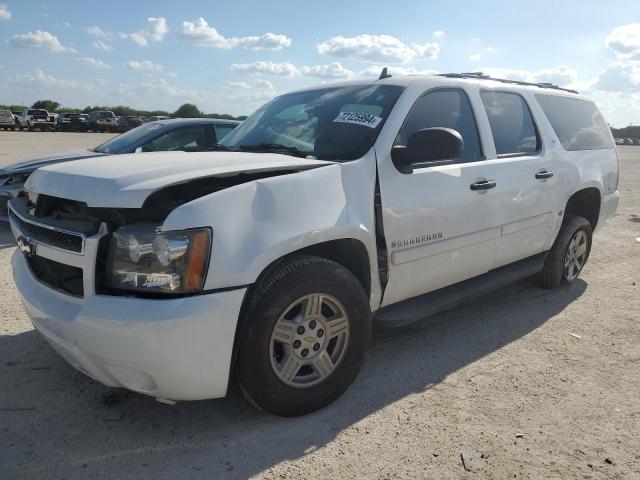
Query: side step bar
x=414, y=309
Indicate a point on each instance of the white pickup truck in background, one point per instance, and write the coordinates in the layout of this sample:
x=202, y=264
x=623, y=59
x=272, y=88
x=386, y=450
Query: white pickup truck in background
x=327, y=211
x=32, y=118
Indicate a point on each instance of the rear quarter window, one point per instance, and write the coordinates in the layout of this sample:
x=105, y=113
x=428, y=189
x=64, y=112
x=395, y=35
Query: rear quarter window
x=577, y=123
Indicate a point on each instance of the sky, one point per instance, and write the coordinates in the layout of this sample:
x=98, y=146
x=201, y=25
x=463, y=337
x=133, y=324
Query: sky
x=231, y=57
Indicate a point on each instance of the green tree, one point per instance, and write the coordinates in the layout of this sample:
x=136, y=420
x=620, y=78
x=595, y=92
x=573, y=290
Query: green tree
x=188, y=110
x=48, y=105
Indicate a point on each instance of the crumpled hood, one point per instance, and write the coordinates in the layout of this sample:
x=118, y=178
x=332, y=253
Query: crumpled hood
x=30, y=165
x=125, y=181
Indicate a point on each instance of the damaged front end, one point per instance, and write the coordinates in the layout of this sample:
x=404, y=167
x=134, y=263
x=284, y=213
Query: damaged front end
x=133, y=256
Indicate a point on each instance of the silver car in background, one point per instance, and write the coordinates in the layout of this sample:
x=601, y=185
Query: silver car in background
x=7, y=121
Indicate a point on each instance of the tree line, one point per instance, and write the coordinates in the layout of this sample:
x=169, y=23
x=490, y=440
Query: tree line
x=187, y=110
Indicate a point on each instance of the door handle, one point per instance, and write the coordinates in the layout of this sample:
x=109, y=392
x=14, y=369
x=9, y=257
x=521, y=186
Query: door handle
x=543, y=174
x=483, y=185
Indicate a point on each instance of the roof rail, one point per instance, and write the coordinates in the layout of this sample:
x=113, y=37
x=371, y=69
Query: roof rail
x=482, y=76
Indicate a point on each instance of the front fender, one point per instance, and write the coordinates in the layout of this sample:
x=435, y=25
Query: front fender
x=256, y=223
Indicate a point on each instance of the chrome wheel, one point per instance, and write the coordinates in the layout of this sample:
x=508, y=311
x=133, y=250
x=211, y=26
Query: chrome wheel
x=576, y=255
x=309, y=340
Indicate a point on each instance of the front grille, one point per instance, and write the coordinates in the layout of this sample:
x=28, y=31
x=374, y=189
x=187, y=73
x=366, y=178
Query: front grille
x=66, y=241
x=3, y=205
x=64, y=278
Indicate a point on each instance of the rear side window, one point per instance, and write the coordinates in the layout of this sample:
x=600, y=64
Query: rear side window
x=222, y=130
x=577, y=123
x=447, y=108
x=512, y=126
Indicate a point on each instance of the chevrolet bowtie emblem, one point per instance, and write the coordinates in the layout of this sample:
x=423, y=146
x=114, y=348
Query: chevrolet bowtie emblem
x=26, y=246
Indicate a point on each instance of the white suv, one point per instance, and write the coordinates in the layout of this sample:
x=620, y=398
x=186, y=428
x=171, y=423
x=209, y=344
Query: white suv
x=327, y=211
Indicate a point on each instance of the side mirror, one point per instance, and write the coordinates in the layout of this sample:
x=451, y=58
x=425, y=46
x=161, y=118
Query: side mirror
x=427, y=145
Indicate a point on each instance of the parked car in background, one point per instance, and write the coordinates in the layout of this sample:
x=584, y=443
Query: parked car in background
x=71, y=122
x=7, y=121
x=127, y=122
x=79, y=122
x=33, y=118
x=16, y=116
x=155, y=118
x=102, y=121
x=191, y=135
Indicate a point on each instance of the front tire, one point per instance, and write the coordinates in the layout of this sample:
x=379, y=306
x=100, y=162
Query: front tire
x=569, y=253
x=307, y=330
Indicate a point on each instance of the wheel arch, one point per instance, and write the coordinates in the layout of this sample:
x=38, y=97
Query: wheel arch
x=351, y=253
x=585, y=203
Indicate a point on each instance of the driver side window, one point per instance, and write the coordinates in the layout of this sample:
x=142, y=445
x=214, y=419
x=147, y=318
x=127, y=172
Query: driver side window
x=193, y=139
x=446, y=108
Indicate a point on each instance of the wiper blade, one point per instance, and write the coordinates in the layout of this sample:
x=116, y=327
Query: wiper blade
x=276, y=147
x=222, y=148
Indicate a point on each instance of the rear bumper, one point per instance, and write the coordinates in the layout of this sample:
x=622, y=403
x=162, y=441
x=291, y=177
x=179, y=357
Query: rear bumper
x=177, y=349
x=608, y=207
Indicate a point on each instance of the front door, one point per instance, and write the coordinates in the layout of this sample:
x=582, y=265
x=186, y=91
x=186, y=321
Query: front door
x=442, y=221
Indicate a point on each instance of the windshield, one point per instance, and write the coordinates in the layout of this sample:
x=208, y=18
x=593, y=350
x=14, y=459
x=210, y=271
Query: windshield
x=339, y=123
x=127, y=141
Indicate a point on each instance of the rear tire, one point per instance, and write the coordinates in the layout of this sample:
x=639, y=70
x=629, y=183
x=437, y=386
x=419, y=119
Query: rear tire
x=569, y=253
x=307, y=330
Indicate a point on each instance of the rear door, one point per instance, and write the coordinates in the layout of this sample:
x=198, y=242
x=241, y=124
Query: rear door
x=438, y=230
x=525, y=173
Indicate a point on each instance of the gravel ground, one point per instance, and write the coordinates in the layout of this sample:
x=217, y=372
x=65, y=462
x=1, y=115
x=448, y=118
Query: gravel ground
x=528, y=383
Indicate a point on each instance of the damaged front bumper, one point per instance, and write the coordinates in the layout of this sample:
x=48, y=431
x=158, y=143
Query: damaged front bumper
x=173, y=348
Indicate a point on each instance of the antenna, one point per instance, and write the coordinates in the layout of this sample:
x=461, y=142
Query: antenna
x=384, y=74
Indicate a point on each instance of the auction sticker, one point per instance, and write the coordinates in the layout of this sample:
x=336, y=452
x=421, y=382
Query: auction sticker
x=364, y=119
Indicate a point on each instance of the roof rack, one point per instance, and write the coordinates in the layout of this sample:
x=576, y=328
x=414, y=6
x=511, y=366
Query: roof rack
x=482, y=76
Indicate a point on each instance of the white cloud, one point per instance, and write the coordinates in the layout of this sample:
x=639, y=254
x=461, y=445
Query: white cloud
x=104, y=47
x=284, y=68
x=243, y=85
x=438, y=34
x=96, y=31
x=475, y=57
x=625, y=41
x=268, y=41
x=262, y=83
x=48, y=83
x=157, y=28
x=139, y=38
x=561, y=75
x=619, y=77
x=146, y=66
x=155, y=31
x=330, y=71
x=92, y=62
x=5, y=14
x=374, y=71
x=39, y=40
x=377, y=48
x=201, y=33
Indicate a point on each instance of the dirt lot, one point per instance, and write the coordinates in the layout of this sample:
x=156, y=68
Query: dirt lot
x=560, y=367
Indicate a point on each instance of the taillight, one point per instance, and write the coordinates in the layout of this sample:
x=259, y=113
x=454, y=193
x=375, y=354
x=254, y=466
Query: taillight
x=618, y=172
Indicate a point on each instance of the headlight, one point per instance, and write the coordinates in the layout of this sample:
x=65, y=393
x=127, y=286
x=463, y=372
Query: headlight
x=144, y=259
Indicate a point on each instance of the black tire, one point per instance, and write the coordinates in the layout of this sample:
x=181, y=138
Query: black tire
x=553, y=273
x=289, y=282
